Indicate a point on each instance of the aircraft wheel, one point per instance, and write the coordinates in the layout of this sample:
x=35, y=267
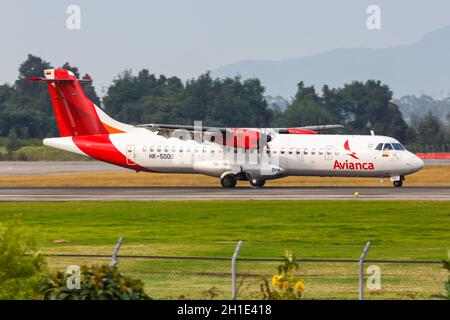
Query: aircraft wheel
x=398, y=184
x=228, y=181
x=255, y=183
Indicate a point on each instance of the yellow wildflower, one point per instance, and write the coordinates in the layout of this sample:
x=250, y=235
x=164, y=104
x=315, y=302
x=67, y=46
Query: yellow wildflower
x=286, y=285
x=299, y=286
x=277, y=280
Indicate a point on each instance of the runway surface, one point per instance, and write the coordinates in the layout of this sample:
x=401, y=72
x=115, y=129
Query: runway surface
x=12, y=168
x=211, y=193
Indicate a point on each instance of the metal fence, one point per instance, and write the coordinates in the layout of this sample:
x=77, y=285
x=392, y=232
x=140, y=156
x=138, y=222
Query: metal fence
x=178, y=277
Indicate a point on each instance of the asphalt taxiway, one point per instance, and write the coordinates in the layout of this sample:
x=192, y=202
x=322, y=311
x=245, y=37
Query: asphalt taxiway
x=213, y=193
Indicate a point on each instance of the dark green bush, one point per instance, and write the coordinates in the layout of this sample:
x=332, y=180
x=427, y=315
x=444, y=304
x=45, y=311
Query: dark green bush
x=96, y=283
x=21, y=265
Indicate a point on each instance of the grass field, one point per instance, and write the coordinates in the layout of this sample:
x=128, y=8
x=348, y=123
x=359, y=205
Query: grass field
x=430, y=175
x=312, y=229
x=338, y=228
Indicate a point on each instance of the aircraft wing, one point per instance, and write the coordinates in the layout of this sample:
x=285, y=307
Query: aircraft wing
x=319, y=127
x=251, y=138
x=179, y=126
x=202, y=128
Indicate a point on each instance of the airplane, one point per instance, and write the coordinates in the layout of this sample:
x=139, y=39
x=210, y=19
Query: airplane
x=231, y=154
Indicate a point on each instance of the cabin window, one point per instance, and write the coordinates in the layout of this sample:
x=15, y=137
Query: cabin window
x=166, y=149
x=159, y=149
x=298, y=151
x=305, y=151
x=174, y=149
x=379, y=147
x=196, y=150
x=313, y=151
x=291, y=151
x=213, y=150
x=144, y=148
x=321, y=151
x=387, y=146
x=188, y=149
x=181, y=149
x=282, y=151
x=152, y=148
x=204, y=149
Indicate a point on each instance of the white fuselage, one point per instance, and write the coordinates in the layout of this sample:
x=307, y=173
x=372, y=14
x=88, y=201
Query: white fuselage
x=285, y=155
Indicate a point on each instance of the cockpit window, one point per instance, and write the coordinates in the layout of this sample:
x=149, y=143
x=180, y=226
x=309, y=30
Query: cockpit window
x=387, y=146
x=398, y=146
x=379, y=147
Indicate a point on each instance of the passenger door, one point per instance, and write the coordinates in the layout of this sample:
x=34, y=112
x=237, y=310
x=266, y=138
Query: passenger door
x=131, y=154
x=329, y=153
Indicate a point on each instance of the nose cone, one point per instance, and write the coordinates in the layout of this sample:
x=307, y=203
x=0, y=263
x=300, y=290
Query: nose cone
x=416, y=163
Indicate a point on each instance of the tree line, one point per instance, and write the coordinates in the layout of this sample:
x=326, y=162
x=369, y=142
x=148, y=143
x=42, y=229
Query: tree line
x=26, y=111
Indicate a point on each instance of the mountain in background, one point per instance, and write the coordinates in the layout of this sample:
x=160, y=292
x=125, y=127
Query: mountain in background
x=418, y=68
x=414, y=108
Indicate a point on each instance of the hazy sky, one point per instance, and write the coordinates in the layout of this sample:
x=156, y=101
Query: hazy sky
x=185, y=38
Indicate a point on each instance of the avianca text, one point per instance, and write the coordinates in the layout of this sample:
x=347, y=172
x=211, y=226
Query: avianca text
x=364, y=166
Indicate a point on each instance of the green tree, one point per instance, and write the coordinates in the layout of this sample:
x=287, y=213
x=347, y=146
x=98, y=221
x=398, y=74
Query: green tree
x=306, y=109
x=228, y=102
x=13, y=143
x=364, y=106
x=431, y=132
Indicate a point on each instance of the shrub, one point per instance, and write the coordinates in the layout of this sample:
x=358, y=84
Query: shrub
x=96, y=283
x=285, y=285
x=21, y=265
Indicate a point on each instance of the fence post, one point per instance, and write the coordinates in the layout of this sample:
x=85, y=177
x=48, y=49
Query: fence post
x=233, y=270
x=361, y=270
x=115, y=253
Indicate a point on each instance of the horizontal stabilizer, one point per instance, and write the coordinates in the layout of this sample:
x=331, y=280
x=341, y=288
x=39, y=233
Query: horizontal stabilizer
x=39, y=79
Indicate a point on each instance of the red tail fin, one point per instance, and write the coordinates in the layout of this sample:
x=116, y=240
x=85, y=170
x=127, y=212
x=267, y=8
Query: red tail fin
x=75, y=113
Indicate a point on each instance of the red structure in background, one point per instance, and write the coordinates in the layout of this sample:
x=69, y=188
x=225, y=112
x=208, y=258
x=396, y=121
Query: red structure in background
x=434, y=155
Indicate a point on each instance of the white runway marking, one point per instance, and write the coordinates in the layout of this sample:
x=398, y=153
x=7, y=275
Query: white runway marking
x=185, y=193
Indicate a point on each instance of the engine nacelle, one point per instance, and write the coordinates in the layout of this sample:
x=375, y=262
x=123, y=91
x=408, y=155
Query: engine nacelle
x=245, y=138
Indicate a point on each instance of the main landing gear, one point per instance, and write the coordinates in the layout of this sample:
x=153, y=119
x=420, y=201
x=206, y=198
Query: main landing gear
x=229, y=181
x=255, y=183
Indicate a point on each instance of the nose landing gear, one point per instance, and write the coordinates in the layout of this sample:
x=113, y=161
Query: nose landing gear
x=398, y=181
x=398, y=184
